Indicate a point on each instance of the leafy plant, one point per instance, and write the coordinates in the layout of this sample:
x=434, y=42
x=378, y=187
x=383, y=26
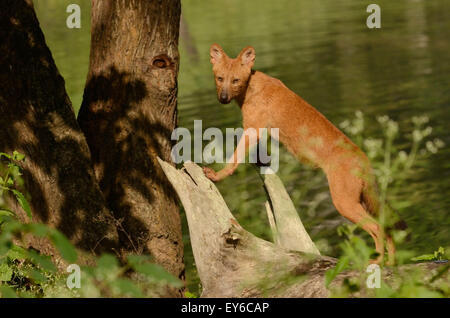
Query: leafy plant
x=7, y=182
x=436, y=256
x=27, y=273
x=392, y=167
x=188, y=294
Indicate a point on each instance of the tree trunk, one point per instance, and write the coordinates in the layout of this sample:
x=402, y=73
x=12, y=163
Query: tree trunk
x=232, y=262
x=128, y=114
x=37, y=119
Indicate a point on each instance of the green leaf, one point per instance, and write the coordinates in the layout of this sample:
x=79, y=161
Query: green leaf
x=439, y=254
x=17, y=253
x=23, y=202
x=5, y=272
x=138, y=259
x=126, y=287
x=156, y=272
x=42, y=261
x=189, y=295
x=425, y=257
x=6, y=213
x=26, y=294
x=385, y=291
x=18, y=156
x=35, y=276
x=9, y=182
x=107, y=262
x=5, y=155
x=65, y=248
x=331, y=274
x=10, y=227
x=7, y=292
x=37, y=229
x=14, y=169
x=107, y=268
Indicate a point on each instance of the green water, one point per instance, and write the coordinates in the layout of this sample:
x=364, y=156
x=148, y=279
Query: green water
x=323, y=51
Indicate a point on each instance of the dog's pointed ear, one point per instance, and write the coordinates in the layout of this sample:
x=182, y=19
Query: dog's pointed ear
x=247, y=56
x=216, y=53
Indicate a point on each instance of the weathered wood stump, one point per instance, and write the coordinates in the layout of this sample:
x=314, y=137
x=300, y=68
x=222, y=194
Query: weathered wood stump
x=232, y=262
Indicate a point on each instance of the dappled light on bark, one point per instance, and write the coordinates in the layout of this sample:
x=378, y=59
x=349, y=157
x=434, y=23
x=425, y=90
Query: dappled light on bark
x=37, y=119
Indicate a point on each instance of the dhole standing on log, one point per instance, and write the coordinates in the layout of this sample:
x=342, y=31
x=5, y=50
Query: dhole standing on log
x=266, y=102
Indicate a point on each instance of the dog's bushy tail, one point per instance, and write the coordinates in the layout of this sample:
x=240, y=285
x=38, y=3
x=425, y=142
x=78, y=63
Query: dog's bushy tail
x=370, y=200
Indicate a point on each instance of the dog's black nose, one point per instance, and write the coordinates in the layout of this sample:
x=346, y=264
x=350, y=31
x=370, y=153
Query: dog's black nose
x=223, y=98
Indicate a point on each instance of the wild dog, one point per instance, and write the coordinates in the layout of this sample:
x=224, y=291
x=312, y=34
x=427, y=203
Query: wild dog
x=266, y=102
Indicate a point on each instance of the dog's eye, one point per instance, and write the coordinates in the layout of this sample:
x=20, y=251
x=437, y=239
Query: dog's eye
x=236, y=80
x=220, y=79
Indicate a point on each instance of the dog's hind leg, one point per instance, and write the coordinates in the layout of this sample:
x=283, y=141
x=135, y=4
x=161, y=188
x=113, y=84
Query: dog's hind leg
x=346, y=195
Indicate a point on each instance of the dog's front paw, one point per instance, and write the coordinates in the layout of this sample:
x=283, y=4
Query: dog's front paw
x=210, y=174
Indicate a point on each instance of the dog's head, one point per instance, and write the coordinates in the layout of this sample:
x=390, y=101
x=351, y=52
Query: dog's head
x=231, y=75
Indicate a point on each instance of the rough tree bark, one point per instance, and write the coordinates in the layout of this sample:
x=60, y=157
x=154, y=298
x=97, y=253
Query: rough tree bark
x=232, y=262
x=37, y=119
x=128, y=114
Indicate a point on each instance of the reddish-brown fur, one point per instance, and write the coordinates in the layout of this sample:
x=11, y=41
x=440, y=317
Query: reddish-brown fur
x=267, y=103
